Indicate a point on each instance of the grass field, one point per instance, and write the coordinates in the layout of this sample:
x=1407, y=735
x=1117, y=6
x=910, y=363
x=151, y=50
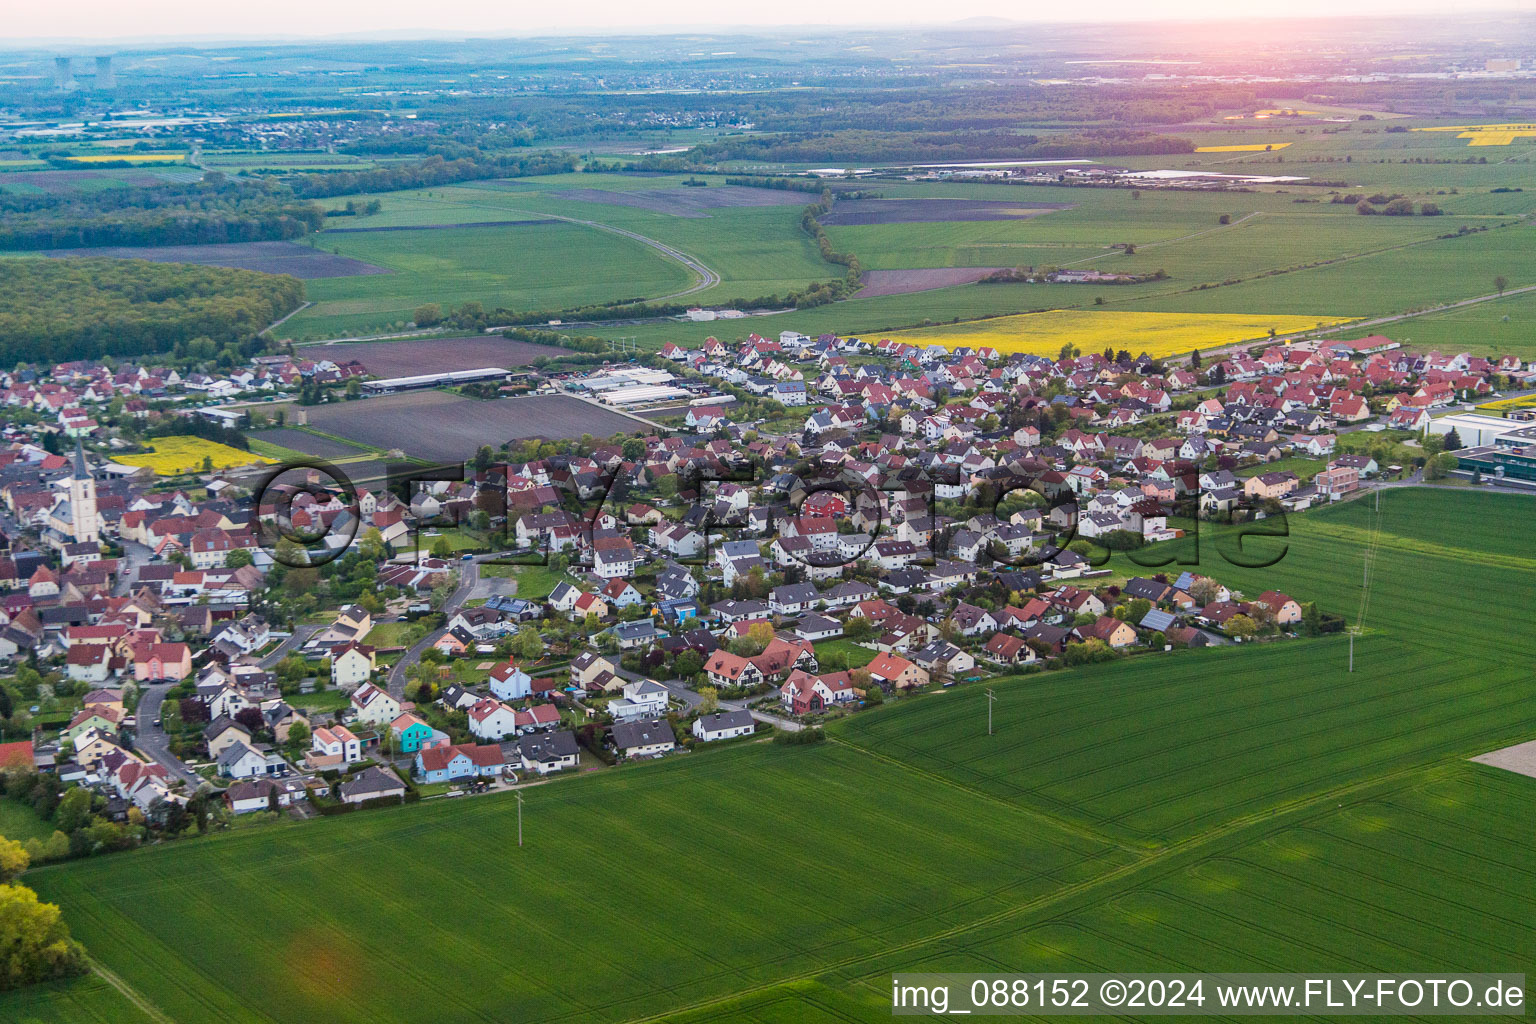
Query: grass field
x=179, y=454
x=1504, y=326
x=525, y=266
x=1239, y=809
x=839, y=654
x=18, y=821
x=1304, y=468
x=1156, y=334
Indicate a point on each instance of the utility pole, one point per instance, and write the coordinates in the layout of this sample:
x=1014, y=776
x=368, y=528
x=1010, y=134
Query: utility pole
x=519, y=819
x=1351, y=650
x=991, y=699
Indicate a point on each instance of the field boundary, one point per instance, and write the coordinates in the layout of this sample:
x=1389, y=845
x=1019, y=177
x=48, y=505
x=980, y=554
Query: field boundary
x=129, y=993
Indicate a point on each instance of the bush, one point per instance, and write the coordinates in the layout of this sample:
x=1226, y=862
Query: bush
x=804, y=737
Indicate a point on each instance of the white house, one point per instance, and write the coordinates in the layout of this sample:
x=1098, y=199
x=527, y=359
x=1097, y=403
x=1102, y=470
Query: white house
x=508, y=682
x=492, y=720
x=642, y=697
x=241, y=762
x=648, y=737
x=375, y=706
x=724, y=725
x=336, y=741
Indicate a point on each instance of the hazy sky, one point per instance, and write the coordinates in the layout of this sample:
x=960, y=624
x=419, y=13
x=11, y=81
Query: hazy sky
x=124, y=19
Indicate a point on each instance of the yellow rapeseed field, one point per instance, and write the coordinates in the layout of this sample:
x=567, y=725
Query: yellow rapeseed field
x=1263, y=115
x=1156, y=334
x=1488, y=134
x=132, y=158
x=1259, y=147
x=1505, y=404
x=185, y=454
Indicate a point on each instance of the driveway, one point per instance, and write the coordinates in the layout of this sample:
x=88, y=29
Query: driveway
x=299, y=637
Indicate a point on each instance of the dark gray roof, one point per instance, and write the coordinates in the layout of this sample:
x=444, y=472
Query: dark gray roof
x=726, y=720
x=371, y=781
x=548, y=746
x=644, y=733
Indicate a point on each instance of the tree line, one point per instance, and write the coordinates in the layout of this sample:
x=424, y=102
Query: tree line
x=215, y=210
x=62, y=309
x=432, y=171
x=866, y=146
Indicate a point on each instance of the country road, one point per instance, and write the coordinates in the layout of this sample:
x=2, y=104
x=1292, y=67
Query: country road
x=707, y=277
x=1355, y=325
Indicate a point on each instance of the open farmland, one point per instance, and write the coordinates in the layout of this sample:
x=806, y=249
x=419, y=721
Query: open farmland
x=172, y=456
x=935, y=211
x=905, y=282
x=1260, y=806
x=302, y=261
x=302, y=441
x=435, y=355
x=455, y=865
x=439, y=426
x=524, y=266
x=686, y=201
x=1156, y=334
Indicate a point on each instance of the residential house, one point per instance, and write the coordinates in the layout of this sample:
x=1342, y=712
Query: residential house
x=724, y=725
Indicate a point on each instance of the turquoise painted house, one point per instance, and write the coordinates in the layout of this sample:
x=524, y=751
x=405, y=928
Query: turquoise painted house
x=410, y=733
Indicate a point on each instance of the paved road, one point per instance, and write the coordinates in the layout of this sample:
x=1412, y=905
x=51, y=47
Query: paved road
x=469, y=575
x=152, y=741
x=134, y=556
x=300, y=636
x=681, y=691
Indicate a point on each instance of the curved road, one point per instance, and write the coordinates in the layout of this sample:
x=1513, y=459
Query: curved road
x=707, y=277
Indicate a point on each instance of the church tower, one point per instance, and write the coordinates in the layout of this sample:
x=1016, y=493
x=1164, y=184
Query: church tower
x=85, y=522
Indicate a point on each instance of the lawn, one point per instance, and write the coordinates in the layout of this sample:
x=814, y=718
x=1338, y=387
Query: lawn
x=1304, y=468
x=396, y=634
x=840, y=654
x=320, y=700
x=1255, y=808
x=18, y=822
x=534, y=582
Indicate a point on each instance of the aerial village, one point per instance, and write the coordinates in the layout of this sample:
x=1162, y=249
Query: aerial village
x=898, y=521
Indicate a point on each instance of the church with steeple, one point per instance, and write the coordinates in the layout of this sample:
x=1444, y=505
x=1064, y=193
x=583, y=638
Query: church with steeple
x=73, y=519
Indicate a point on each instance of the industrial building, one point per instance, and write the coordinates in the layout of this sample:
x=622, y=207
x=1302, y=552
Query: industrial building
x=629, y=385
x=435, y=380
x=1511, y=456
x=1473, y=428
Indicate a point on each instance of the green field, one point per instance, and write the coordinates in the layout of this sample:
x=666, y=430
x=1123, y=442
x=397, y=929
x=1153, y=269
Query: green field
x=1506, y=326
x=18, y=821
x=1286, y=248
x=535, y=266
x=1253, y=809
x=1304, y=468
